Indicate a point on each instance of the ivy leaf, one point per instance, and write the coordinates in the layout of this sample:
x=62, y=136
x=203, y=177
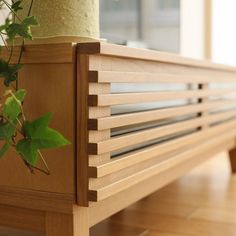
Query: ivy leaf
x=39, y=136
x=22, y=29
x=7, y=130
x=11, y=74
x=7, y=22
x=16, y=6
x=28, y=150
x=4, y=149
x=42, y=135
x=8, y=72
x=30, y=21
x=12, y=105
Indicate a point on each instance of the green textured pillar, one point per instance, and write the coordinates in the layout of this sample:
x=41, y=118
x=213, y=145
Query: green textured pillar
x=64, y=18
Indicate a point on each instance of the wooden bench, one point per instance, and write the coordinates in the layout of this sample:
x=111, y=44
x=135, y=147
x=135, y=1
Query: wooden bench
x=138, y=119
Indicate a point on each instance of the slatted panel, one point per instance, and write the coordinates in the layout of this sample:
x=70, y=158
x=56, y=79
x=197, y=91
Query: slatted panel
x=151, y=113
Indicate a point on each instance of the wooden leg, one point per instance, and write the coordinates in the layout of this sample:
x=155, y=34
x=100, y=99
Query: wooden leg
x=232, y=156
x=76, y=224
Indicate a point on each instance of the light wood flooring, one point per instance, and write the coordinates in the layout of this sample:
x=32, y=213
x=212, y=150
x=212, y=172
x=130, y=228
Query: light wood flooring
x=202, y=203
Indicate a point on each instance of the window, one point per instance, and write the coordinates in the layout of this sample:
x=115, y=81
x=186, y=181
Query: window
x=152, y=24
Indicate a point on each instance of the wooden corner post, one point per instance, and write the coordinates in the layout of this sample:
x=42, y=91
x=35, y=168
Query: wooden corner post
x=232, y=158
x=82, y=129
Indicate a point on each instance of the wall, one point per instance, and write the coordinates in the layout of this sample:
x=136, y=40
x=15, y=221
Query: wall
x=224, y=32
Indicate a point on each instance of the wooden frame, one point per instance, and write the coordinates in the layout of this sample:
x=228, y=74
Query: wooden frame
x=101, y=168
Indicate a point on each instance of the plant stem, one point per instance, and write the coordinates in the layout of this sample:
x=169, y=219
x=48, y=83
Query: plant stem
x=23, y=44
x=44, y=162
x=21, y=108
x=4, y=41
x=13, y=12
x=13, y=125
x=11, y=52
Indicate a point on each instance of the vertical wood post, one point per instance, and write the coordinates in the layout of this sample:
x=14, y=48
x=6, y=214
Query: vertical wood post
x=75, y=224
x=232, y=157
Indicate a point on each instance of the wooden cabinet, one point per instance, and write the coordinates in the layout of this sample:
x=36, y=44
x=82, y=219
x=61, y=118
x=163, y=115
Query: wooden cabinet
x=115, y=158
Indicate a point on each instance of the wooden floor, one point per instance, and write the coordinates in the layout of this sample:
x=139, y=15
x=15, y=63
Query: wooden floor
x=202, y=203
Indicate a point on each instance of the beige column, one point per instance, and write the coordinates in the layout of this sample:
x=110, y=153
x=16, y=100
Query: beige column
x=64, y=20
x=195, y=21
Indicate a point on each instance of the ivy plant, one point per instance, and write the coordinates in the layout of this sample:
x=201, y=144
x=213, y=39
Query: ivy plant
x=26, y=137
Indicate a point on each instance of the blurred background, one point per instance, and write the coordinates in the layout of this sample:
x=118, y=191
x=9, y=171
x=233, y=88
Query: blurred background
x=203, y=29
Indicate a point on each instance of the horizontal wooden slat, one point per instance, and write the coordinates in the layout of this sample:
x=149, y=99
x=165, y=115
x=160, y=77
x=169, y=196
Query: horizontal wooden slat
x=130, y=159
x=100, y=210
x=147, y=116
x=114, y=188
x=124, y=141
x=149, y=55
x=129, y=98
x=142, y=77
x=43, y=53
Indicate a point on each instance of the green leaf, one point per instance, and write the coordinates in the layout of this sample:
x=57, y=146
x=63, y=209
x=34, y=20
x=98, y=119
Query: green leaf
x=16, y=6
x=7, y=130
x=12, y=106
x=22, y=29
x=4, y=149
x=3, y=66
x=39, y=136
x=28, y=150
x=8, y=72
x=42, y=135
x=30, y=21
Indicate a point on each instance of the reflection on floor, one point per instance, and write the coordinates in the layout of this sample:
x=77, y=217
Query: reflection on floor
x=202, y=203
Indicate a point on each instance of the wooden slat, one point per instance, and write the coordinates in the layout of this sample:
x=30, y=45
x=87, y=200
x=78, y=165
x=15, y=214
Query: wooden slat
x=128, y=98
x=147, y=116
x=117, y=143
x=97, y=112
x=203, y=101
x=114, y=188
x=43, y=53
x=105, y=208
x=130, y=159
x=142, y=77
x=121, y=64
x=149, y=55
x=82, y=130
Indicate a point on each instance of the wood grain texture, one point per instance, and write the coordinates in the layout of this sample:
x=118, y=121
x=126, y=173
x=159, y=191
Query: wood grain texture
x=107, y=228
x=116, y=143
x=82, y=130
x=100, y=211
x=76, y=223
x=21, y=218
x=109, y=122
x=16, y=232
x=36, y=200
x=129, y=98
x=149, y=55
x=75, y=84
x=50, y=88
x=127, y=160
x=43, y=53
x=165, y=78
x=191, y=153
x=212, y=203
